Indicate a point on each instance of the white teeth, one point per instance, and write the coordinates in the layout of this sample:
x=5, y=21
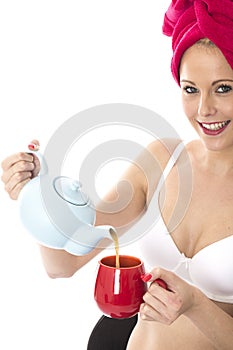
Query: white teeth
x=214, y=126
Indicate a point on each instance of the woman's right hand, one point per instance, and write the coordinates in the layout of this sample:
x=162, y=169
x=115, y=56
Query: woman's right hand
x=18, y=169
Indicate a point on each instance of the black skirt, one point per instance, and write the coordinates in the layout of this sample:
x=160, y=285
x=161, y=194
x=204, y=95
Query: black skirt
x=111, y=333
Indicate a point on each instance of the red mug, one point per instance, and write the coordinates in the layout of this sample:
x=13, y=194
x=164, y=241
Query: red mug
x=119, y=291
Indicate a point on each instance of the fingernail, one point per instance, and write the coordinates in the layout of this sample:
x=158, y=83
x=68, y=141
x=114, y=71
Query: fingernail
x=33, y=147
x=146, y=277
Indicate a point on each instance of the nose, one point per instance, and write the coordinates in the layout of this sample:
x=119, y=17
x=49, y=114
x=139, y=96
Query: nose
x=206, y=106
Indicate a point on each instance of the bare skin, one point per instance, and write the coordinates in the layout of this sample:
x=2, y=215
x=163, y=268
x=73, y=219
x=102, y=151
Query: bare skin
x=167, y=321
x=178, y=318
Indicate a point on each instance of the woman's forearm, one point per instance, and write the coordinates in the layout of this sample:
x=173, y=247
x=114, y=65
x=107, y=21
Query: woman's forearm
x=61, y=264
x=213, y=322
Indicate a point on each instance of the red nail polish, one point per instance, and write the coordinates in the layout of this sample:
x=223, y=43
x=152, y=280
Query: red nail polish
x=33, y=147
x=146, y=277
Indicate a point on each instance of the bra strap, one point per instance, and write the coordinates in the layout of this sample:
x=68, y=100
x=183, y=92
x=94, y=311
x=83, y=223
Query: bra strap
x=172, y=160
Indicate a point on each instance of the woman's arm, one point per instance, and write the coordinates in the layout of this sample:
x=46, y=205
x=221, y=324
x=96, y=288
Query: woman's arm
x=19, y=168
x=121, y=208
x=216, y=324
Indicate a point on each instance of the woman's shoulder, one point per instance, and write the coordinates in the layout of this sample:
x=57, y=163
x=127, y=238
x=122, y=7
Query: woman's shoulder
x=155, y=158
x=162, y=149
x=156, y=155
x=194, y=148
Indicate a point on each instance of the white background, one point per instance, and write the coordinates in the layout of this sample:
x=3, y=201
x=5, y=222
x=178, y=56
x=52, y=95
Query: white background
x=57, y=59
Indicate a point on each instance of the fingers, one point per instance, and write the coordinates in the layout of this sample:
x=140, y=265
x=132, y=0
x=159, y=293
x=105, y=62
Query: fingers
x=36, y=169
x=160, y=305
x=163, y=305
x=14, y=158
x=145, y=311
x=34, y=145
x=35, y=142
x=148, y=313
x=164, y=278
x=16, y=163
x=18, y=169
x=155, y=306
x=156, y=297
x=14, y=193
x=18, y=176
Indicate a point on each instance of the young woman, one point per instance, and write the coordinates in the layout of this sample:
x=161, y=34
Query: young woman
x=194, y=257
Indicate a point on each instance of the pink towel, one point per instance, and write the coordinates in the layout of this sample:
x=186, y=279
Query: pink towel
x=188, y=21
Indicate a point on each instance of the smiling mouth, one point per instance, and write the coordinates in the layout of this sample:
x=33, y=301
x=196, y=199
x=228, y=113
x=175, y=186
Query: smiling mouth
x=213, y=127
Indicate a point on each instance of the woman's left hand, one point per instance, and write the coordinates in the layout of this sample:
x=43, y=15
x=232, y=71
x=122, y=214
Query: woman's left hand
x=167, y=305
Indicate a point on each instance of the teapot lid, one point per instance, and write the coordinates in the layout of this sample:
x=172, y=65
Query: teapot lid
x=70, y=190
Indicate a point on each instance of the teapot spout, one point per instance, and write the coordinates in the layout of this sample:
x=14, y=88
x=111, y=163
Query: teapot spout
x=106, y=231
x=86, y=238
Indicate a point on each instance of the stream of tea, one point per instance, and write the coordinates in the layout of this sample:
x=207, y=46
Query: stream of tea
x=116, y=244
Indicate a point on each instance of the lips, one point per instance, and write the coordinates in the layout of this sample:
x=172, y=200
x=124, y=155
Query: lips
x=215, y=128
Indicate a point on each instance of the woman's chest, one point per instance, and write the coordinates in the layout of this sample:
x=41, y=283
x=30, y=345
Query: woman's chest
x=198, y=216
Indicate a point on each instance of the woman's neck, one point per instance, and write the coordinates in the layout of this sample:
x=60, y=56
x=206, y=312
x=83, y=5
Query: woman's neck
x=218, y=162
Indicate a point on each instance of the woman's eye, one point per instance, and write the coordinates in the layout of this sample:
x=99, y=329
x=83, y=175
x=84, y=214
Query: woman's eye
x=190, y=90
x=224, y=89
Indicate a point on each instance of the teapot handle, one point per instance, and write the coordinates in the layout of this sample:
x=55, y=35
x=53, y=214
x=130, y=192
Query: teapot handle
x=43, y=164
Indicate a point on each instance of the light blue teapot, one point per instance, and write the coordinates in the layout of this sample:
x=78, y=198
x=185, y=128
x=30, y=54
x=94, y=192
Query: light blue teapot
x=58, y=214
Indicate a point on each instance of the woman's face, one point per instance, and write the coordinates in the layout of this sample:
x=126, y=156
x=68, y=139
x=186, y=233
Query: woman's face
x=206, y=81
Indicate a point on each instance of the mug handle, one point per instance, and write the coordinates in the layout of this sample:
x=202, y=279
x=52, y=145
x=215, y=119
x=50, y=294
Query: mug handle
x=161, y=283
x=146, y=277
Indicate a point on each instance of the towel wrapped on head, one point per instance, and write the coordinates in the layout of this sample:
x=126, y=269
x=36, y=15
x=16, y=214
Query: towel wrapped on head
x=188, y=21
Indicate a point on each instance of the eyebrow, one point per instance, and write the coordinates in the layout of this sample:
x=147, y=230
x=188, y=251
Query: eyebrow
x=214, y=82
x=187, y=81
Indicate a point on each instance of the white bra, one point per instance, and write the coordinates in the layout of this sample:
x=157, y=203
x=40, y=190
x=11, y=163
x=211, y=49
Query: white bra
x=210, y=269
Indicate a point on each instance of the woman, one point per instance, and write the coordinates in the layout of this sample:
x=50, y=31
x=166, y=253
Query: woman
x=195, y=259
